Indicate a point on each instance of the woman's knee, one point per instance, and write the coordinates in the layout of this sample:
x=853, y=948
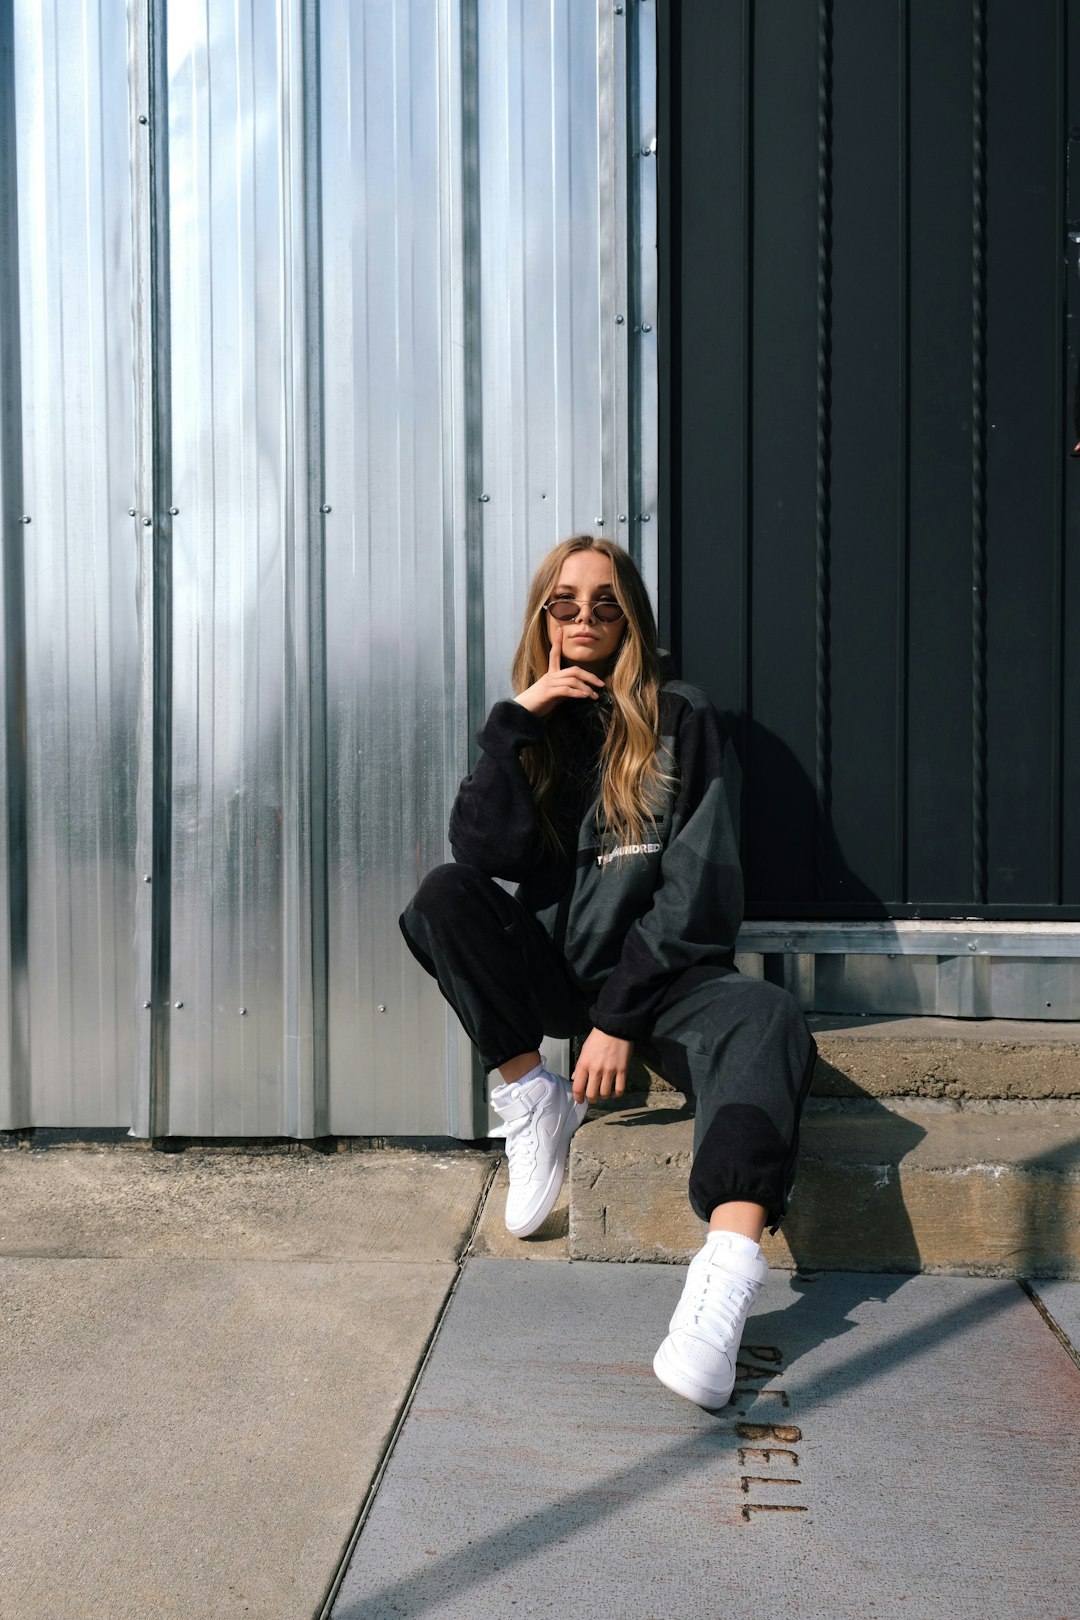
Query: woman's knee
x=771, y=1005
x=445, y=885
x=444, y=897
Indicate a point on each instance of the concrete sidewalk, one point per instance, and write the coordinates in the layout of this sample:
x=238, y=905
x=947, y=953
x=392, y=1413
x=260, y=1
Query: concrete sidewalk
x=206, y=1357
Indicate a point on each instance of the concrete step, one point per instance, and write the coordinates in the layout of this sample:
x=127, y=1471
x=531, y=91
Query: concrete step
x=955, y=1058
x=979, y=1187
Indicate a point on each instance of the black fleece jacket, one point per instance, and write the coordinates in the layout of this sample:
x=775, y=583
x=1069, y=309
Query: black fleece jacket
x=630, y=921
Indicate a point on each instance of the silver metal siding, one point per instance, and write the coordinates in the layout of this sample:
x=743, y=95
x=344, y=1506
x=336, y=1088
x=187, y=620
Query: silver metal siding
x=542, y=342
x=240, y=1050
x=392, y=347
x=72, y=730
x=297, y=286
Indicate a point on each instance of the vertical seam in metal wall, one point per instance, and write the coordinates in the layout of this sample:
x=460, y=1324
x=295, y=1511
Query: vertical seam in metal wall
x=613, y=378
x=475, y=670
x=668, y=571
x=14, y=629
x=978, y=451
x=161, y=584
x=903, y=539
x=631, y=137
x=311, y=77
x=641, y=229
x=822, y=582
x=474, y=441
x=1057, y=660
x=465, y=1092
x=747, y=537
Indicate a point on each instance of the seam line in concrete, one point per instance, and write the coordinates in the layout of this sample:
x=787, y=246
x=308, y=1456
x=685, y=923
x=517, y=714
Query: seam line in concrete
x=323, y=1612
x=1055, y=1328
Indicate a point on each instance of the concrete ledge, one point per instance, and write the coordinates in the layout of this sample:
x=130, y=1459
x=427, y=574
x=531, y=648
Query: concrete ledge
x=956, y=1058
x=945, y=1057
x=903, y=1186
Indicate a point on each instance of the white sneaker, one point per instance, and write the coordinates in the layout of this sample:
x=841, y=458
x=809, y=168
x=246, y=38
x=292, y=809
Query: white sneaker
x=697, y=1359
x=540, y=1118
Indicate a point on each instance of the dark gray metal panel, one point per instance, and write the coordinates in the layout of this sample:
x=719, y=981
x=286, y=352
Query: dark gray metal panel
x=1069, y=842
x=707, y=312
x=939, y=670
x=1024, y=449
x=780, y=825
x=884, y=601
x=868, y=537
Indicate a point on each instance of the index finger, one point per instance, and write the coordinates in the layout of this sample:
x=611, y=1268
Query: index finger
x=555, y=660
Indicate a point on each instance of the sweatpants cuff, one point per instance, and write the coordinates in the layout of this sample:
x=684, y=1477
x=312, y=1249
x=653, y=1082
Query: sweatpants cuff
x=745, y=1193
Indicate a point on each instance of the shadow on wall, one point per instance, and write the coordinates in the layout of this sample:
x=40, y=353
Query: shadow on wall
x=774, y=803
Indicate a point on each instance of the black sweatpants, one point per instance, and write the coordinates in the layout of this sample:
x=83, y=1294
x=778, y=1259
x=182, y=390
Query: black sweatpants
x=739, y=1046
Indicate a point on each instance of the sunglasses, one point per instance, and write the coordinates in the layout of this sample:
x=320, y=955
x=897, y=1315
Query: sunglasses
x=564, y=610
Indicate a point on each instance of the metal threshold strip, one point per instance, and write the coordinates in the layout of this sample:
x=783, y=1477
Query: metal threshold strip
x=951, y=969
x=912, y=938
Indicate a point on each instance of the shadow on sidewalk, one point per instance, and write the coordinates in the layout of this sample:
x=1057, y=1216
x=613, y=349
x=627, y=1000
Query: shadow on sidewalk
x=450, y=1577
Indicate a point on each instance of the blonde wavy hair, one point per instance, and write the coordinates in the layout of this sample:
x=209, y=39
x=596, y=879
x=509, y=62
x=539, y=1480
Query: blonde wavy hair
x=631, y=781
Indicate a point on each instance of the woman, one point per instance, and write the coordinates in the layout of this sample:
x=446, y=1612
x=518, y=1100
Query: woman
x=600, y=790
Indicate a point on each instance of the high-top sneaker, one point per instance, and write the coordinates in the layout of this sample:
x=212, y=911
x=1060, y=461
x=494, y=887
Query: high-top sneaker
x=540, y=1116
x=697, y=1359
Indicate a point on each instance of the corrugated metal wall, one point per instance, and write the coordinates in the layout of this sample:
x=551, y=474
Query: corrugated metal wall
x=71, y=664
x=331, y=319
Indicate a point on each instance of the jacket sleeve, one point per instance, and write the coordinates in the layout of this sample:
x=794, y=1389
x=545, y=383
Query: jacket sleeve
x=696, y=909
x=493, y=823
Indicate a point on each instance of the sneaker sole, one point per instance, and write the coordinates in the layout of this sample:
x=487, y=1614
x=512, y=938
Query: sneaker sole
x=558, y=1173
x=681, y=1383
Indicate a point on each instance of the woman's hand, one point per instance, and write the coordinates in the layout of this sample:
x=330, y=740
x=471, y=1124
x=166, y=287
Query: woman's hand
x=558, y=683
x=601, y=1068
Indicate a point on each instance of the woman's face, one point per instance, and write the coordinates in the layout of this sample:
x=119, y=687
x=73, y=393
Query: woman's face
x=587, y=577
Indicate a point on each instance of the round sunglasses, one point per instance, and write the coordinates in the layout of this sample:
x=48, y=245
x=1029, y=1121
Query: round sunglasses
x=565, y=611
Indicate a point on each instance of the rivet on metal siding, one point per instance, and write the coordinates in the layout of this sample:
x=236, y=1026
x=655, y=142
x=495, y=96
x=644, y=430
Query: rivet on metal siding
x=645, y=327
x=131, y=511
x=382, y=1006
x=973, y=945
x=178, y=1003
x=645, y=518
x=646, y=151
x=485, y=497
x=599, y=522
x=143, y=118
x=24, y=520
x=146, y=1004
x=148, y=523
x=174, y=511
x=324, y=508
x=622, y=517
x=618, y=11
x=242, y=1011
x=146, y=877
x=620, y=320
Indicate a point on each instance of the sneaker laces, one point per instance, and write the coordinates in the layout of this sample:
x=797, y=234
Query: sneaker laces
x=521, y=1144
x=718, y=1302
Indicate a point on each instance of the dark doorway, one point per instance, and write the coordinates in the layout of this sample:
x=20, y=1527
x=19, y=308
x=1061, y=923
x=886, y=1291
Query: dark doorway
x=869, y=379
